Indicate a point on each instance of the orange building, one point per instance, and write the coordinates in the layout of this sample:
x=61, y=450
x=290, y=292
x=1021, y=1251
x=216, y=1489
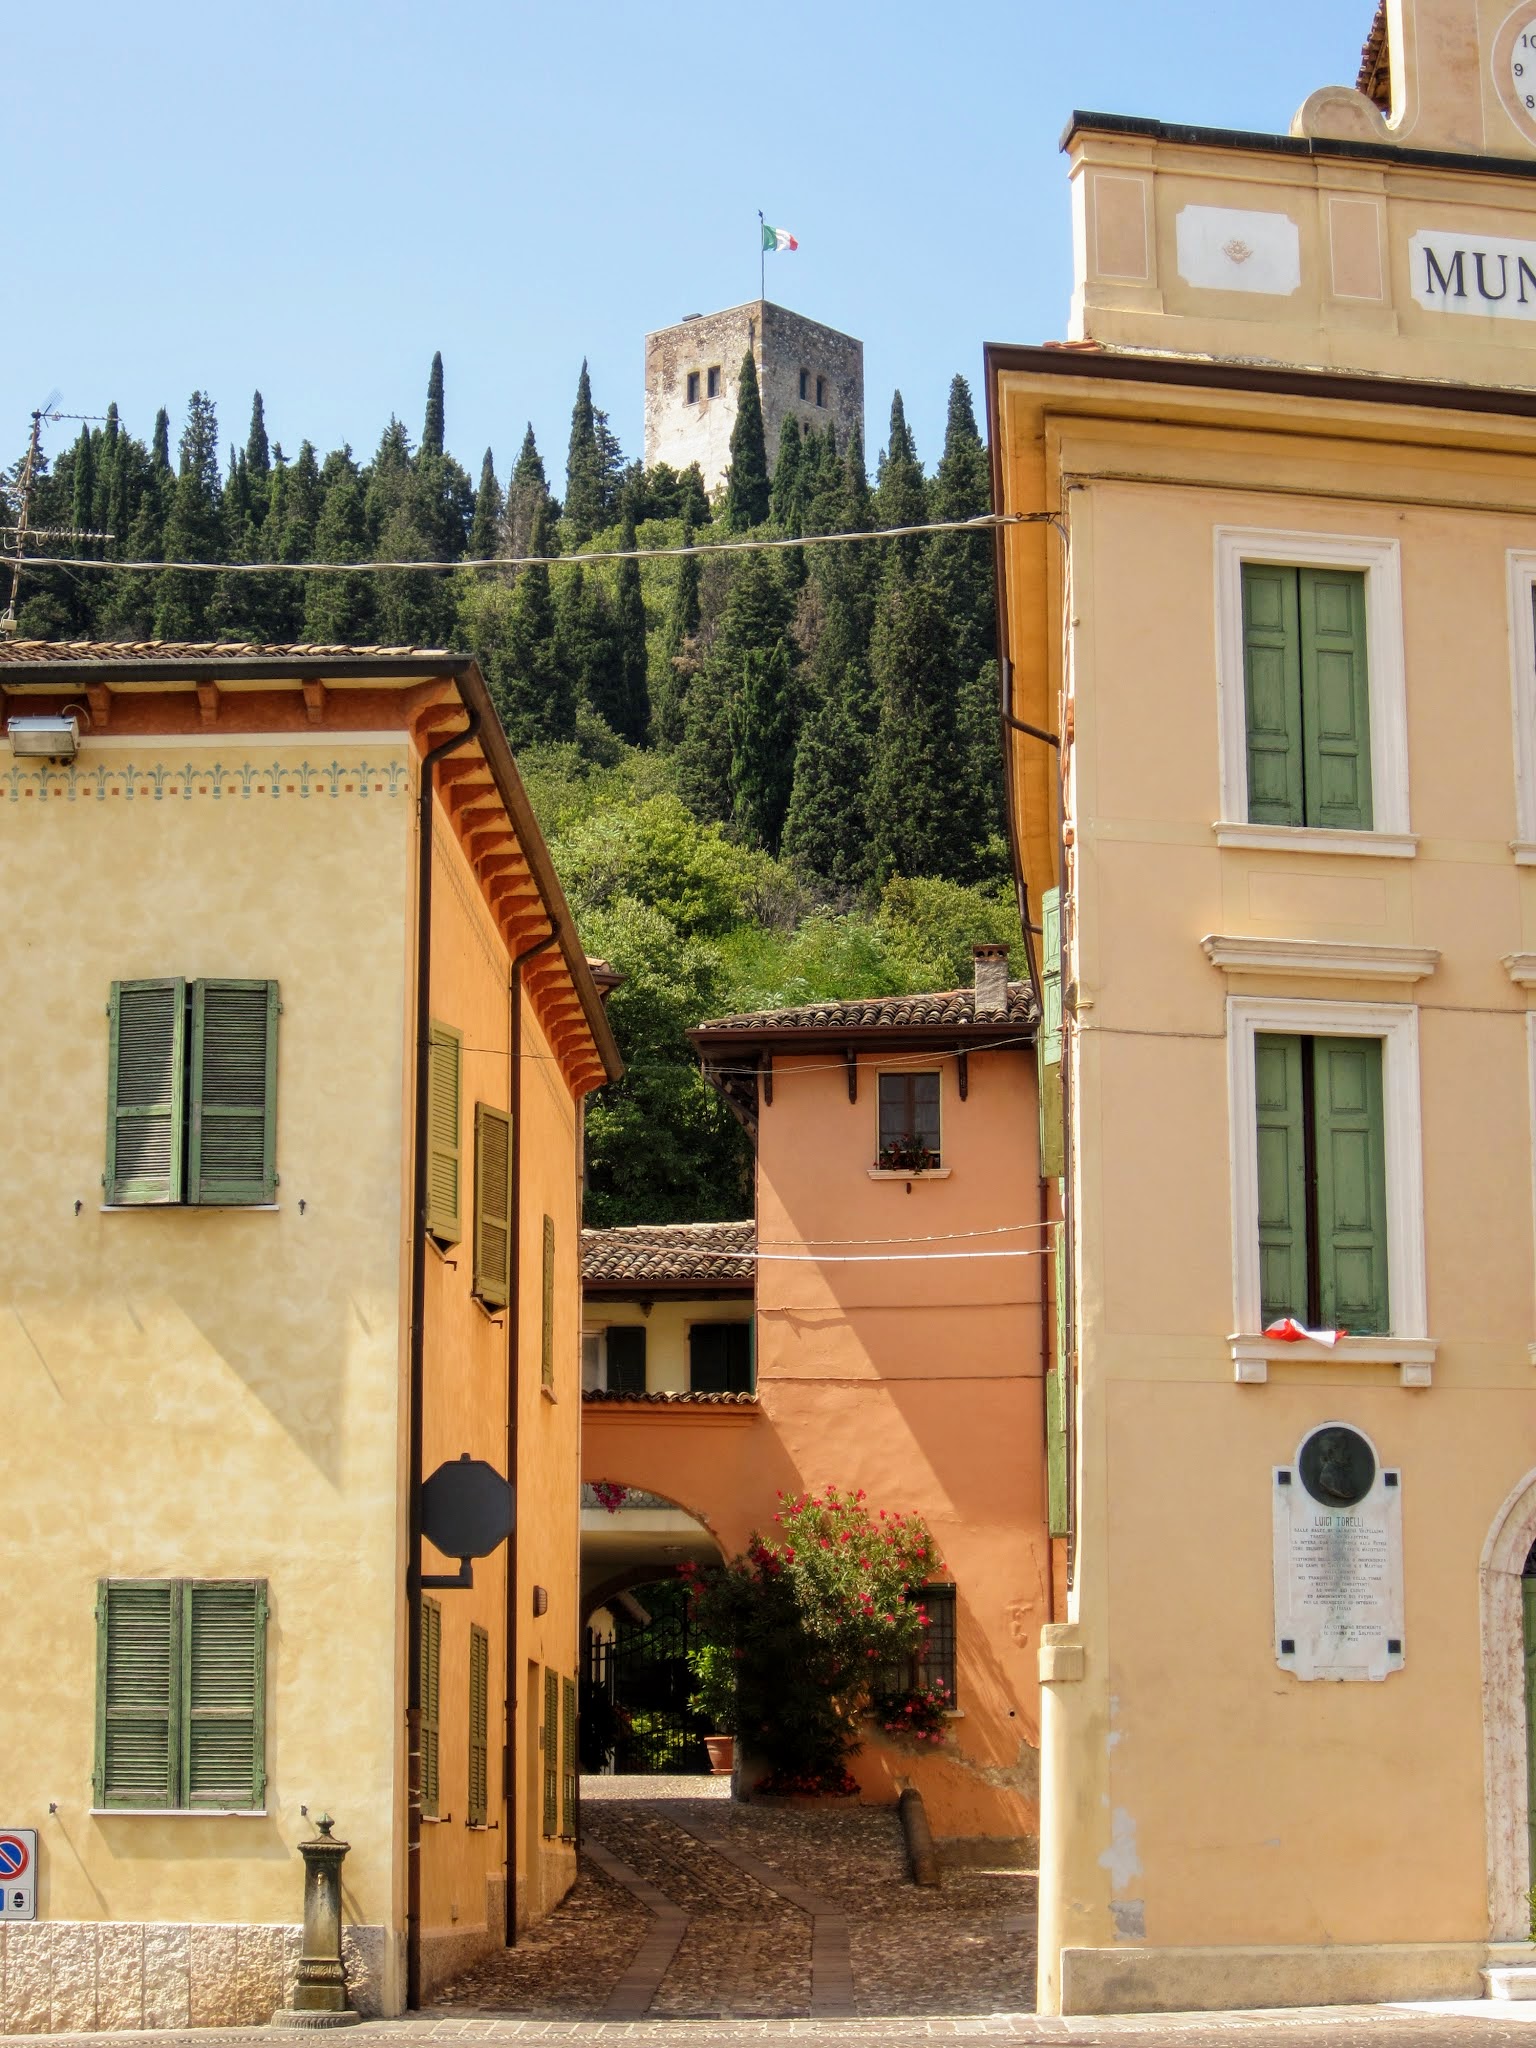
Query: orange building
x=895, y=1345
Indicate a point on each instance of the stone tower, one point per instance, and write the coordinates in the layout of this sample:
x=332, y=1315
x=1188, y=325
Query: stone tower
x=691, y=373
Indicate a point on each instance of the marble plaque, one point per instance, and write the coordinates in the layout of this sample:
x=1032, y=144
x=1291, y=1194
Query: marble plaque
x=1338, y=1558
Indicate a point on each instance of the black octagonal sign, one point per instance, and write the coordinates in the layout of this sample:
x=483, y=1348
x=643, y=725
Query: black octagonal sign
x=466, y=1508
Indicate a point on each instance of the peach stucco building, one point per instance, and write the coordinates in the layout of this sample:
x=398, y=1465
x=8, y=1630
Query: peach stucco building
x=291, y=1189
x=897, y=1339
x=1271, y=662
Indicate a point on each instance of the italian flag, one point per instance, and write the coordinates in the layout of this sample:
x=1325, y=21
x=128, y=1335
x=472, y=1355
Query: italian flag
x=778, y=238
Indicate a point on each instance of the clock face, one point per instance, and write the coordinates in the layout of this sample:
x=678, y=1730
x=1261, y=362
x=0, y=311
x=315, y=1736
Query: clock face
x=1514, y=68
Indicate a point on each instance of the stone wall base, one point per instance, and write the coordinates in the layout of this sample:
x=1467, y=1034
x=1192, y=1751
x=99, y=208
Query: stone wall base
x=91, y=1976
x=1107, y=1980
x=446, y=1952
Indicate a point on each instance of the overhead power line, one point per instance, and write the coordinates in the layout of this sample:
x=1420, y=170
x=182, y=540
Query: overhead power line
x=983, y=523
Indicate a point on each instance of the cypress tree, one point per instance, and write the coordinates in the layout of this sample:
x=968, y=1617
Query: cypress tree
x=621, y=694
x=82, y=510
x=787, y=495
x=432, y=425
x=194, y=530
x=922, y=811
x=258, y=455
x=584, y=480
x=160, y=445
x=960, y=564
x=485, y=532
x=761, y=723
x=900, y=497
x=106, y=470
x=527, y=491
x=746, y=483
x=529, y=680
x=826, y=831
x=692, y=498
x=679, y=633
x=275, y=604
x=306, y=498
x=388, y=481
x=754, y=618
x=338, y=610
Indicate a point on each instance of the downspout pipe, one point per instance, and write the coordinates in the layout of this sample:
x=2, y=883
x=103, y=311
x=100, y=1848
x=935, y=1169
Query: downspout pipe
x=425, y=797
x=512, y=1835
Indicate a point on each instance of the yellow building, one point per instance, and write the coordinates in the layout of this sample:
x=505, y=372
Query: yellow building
x=297, y=1039
x=1269, y=613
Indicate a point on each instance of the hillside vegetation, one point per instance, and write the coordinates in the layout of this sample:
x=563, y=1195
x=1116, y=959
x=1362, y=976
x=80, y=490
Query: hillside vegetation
x=767, y=777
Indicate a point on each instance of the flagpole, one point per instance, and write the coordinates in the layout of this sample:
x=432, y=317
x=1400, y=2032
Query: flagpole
x=762, y=257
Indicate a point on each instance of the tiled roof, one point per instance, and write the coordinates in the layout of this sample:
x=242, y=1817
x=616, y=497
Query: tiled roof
x=949, y=1006
x=673, y=1400
x=669, y=1251
x=21, y=653
x=1375, y=79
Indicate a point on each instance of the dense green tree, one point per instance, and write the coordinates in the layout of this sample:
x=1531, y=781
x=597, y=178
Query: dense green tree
x=306, y=498
x=160, y=443
x=746, y=483
x=82, y=511
x=514, y=631
x=788, y=493
x=761, y=724
x=826, y=830
x=432, y=425
x=628, y=709
x=961, y=565
x=755, y=616
x=258, y=460
x=900, y=496
x=586, y=637
x=194, y=531
x=593, y=464
x=411, y=607
x=527, y=490
x=338, y=609
x=485, y=531
x=922, y=814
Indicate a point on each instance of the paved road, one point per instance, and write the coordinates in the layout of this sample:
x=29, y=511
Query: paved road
x=1422, y=2026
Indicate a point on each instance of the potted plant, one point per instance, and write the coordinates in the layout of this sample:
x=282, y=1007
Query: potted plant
x=713, y=1699
x=918, y=1714
x=907, y=1155
x=806, y=1620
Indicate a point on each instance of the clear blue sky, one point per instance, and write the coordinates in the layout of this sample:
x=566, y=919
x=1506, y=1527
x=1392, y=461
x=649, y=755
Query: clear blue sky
x=310, y=196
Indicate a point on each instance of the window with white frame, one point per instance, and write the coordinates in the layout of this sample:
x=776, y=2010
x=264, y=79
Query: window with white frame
x=1314, y=744
x=613, y=1359
x=1327, y=1172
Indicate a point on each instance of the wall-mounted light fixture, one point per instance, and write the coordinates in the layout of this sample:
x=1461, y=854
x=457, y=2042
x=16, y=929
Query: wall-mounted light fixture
x=53, y=738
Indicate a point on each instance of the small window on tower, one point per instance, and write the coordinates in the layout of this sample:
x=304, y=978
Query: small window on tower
x=821, y=390
x=805, y=383
x=693, y=387
x=714, y=382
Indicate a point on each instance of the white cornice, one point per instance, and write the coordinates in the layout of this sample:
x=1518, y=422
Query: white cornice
x=1337, y=957
x=1521, y=968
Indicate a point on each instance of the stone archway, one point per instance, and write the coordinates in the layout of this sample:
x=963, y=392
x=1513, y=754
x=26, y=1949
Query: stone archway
x=1505, y=1737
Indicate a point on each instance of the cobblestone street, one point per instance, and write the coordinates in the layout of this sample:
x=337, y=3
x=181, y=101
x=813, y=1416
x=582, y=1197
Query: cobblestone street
x=690, y=1906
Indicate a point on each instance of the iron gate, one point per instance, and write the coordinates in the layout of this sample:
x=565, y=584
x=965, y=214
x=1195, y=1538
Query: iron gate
x=635, y=1715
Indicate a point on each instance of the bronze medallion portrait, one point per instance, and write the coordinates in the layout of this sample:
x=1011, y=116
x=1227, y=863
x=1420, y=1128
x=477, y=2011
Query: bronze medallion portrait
x=1338, y=1466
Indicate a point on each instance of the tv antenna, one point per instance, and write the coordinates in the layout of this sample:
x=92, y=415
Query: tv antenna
x=48, y=411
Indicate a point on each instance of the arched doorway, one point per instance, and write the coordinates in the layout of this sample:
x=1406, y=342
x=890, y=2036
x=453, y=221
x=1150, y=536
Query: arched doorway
x=1508, y=1600
x=637, y=1680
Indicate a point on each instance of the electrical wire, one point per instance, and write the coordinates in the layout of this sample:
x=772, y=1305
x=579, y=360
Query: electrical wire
x=983, y=522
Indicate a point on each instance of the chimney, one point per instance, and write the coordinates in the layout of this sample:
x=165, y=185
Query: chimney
x=991, y=981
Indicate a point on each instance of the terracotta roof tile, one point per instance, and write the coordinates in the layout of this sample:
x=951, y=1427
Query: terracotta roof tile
x=948, y=1006
x=669, y=1251
x=1375, y=79
x=22, y=653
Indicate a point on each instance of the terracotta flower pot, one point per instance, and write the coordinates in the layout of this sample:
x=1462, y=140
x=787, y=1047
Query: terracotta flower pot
x=722, y=1752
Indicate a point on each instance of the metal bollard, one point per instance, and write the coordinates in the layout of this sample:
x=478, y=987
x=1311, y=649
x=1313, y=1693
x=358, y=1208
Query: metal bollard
x=320, y=1994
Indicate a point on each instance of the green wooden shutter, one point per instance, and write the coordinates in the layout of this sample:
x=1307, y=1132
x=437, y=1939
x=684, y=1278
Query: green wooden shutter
x=1351, y=1186
x=1277, y=1061
x=479, y=1725
x=626, y=1358
x=445, y=1064
x=1272, y=694
x=1335, y=699
x=137, y=1700
x=493, y=1204
x=233, y=1152
x=551, y=1752
x=1056, y=1393
x=431, y=1675
x=224, y=1693
x=568, y=1758
x=146, y=1086
x=547, y=1338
